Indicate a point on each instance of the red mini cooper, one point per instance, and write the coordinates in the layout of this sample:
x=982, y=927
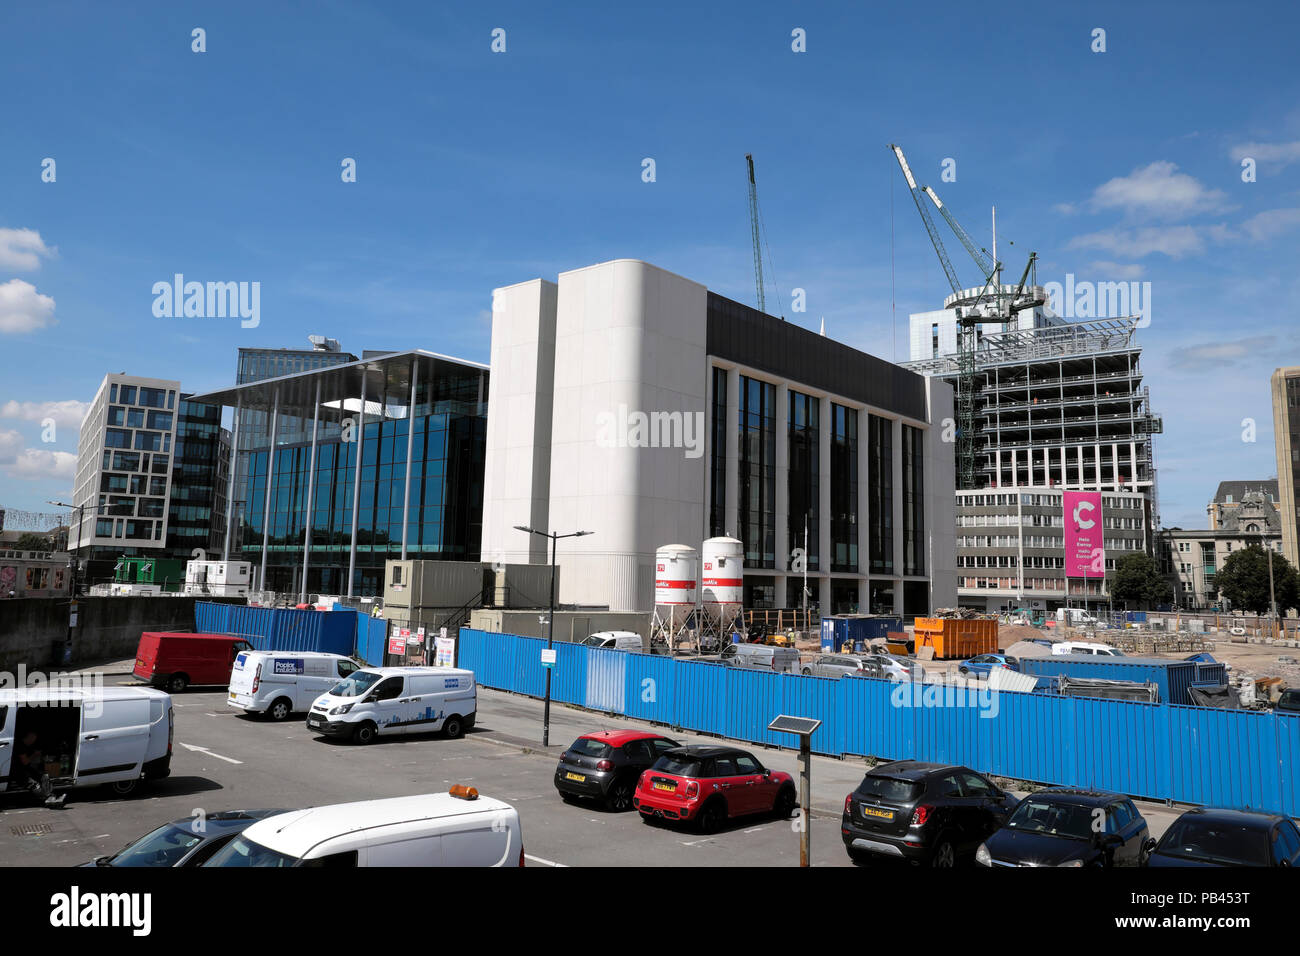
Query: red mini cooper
x=709, y=785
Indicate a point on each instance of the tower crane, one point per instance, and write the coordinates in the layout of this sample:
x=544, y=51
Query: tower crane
x=754, y=228
x=973, y=307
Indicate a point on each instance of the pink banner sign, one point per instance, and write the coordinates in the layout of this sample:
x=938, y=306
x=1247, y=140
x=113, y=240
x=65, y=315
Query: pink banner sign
x=1085, y=554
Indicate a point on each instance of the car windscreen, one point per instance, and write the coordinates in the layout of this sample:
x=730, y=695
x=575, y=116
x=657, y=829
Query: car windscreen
x=586, y=747
x=242, y=851
x=1210, y=841
x=889, y=789
x=1071, y=821
x=162, y=847
x=355, y=684
x=679, y=765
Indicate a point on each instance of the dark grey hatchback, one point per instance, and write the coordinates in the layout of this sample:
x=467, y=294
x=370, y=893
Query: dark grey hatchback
x=605, y=766
x=1063, y=826
x=190, y=841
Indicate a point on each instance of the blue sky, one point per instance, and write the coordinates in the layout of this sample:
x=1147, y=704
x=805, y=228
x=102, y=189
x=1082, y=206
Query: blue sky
x=478, y=169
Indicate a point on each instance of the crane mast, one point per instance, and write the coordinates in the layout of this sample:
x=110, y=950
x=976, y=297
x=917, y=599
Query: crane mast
x=753, y=225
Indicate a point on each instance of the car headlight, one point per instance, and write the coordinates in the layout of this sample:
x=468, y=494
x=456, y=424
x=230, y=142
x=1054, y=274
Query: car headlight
x=982, y=856
x=1071, y=863
x=341, y=709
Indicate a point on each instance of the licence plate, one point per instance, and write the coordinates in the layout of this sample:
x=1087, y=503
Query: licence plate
x=878, y=814
x=232, y=695
x=665, y=786
x=313, y=722
x=576, y=776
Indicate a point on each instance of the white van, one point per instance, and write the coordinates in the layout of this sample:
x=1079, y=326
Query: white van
x=616, y=640
x=396, y=700
x=765, y=657
x=111, y=735
x=1086, y=647
x=458, y=828
x=1075, y=617
x=279, y=683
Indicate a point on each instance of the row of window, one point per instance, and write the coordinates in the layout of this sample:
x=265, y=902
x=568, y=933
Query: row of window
x=1003, y=499
x=144, y=441
x=141, y=395
x=139, y=418
x=128, y=528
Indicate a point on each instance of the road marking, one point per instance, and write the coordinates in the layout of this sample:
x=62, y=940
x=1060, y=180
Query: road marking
x=205, y=750
x=538, y=859
x=754, y=829
x=696, y=842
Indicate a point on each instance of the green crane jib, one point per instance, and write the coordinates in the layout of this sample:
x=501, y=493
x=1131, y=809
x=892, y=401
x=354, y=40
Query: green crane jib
x=987, y=267
x=753, y=225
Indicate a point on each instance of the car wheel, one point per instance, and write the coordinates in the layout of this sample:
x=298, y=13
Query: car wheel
x=452, y=727
x=783, y=806
x=944, y=854
x=177, y=683
x=807, y=672
x=963, y=672
x=280, y=709
x=365, y=733
x=711, y=816
x=619, y=797
x=124, y=788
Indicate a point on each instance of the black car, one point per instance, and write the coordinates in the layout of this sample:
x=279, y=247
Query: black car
x=1062, y=826
x=926, y=813
x=189, y=841
x=1289, y=702
x=1209, y=836
x=606, y=765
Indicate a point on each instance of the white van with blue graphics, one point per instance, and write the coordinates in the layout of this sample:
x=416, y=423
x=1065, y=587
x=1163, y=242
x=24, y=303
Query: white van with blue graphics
x=397, y=700
x=279, y=683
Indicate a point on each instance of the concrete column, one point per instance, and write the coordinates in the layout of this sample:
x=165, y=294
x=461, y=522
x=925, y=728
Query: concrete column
x=270, y=472
x=311, y=489
x=783, y=543
x=732, y=509
x=356, y=487
x=410, y=443
x=825, y=424
x=864, y=508
x=898, y=516
x=230, y=483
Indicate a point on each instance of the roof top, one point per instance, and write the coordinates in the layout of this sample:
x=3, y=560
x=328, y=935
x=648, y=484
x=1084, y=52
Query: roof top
x=617, y=738
x=1239, y=489
x=1079, y=795
x=909, y=769
x=1231, y=815
x=707, y=750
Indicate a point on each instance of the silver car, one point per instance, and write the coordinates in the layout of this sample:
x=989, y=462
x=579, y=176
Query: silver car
x=844, y=665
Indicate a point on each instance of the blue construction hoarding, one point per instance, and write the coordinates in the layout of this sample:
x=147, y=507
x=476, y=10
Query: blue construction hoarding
x=1158, y=751
x=284, y=629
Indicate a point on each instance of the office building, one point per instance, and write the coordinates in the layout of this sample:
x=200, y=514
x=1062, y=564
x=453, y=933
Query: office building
x=640, y=406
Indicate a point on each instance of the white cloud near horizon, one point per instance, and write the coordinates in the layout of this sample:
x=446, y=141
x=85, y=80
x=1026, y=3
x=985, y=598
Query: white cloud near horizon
x=23, y=309
x=23, y=249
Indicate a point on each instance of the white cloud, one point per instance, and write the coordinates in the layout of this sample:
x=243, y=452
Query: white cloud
x=11, y=444
x=1112, y=271
x=22, y=249
x=1270, y=224
x=38, y=463
x=1279, y=154
x=1220, y=354
x=1172, y=241
x=68, y=412
x=1158, y=190
x=22, y=308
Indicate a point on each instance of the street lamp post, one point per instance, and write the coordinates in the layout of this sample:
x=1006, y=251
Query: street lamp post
x=550, y=621
x=72, y=583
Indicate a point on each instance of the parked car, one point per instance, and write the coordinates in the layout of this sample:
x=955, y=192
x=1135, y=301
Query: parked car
x=279, y=683
x=981, y=665
x=172, y=662
x=930, y=814
x=83, y=738
x=1062, y=826
x=1289, y=701
x=184, y=842
x=843, y=665
x=396, y=700
x=616, y=640
x=607, y=765
x=456, y=828
x=1086, y=647
x=897, y=668
x=1209, y=836
x=708, y=785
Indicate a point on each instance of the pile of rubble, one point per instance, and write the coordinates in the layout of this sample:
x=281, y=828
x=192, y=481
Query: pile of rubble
x=960, y=613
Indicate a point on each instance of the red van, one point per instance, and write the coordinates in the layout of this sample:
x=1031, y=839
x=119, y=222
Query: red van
x=173, y=661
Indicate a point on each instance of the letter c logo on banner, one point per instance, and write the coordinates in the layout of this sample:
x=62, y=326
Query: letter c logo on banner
x=1082, y=524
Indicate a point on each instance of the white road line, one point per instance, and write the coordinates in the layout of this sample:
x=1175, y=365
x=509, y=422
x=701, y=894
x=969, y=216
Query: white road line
x=696, y=842
x=538, y=859
x=205, y=750
x=754, y=829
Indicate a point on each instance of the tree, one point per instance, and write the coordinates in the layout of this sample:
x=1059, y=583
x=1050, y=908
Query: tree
x=1137, y=579
x=33, y=542
x=1243, y=580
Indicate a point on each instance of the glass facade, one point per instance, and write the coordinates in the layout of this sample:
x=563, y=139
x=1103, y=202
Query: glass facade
x=844, y=489
x=805, y=475
x=913, y=500
x=197, y=516
x=718, y=457
x=880, y=496
x=444, y=520
x=757, y=472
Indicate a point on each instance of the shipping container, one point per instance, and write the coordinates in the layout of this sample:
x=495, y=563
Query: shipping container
x=842, y=633
x=953, y=637
x=1172, y=677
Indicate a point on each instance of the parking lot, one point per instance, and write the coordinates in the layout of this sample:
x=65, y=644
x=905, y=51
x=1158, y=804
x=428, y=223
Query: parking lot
x=223, y=761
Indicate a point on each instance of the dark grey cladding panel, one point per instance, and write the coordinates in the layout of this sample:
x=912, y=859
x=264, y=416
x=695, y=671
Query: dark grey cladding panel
x=785, y=350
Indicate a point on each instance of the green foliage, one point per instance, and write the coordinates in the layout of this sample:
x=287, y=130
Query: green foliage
x=1137, y=580
x=34, y=542
x=1243, y=580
